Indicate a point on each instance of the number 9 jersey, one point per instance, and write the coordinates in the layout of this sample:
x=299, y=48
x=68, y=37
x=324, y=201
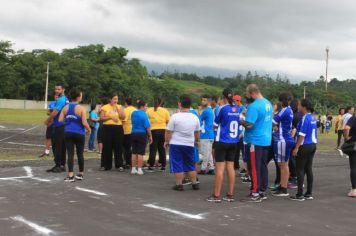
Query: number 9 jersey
x=228, y=121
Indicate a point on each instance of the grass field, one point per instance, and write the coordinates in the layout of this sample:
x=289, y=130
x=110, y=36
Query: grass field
x=24, y=117
x=194, y=87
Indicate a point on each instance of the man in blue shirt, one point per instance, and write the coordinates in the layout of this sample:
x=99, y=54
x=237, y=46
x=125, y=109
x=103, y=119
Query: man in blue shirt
x=58, y=132
x=258, y=136
x=206, y=136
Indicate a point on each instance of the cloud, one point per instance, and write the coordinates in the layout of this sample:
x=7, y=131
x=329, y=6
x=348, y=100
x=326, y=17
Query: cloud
x=273, y=36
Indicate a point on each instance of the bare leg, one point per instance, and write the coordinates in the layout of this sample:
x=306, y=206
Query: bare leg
x=193, y=176
x=139, y=161
x=219, y=177
x=284, y=174
x=179, y=178
x=231, y=177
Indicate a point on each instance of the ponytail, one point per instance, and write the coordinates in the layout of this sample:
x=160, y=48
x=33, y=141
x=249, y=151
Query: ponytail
x=157, y=102
x=227, y=93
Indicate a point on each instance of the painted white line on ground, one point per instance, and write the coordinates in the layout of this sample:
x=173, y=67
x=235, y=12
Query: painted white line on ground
x=28, y=171
x=185, y=215
x=26, y=144
x=14, y=135
x=14, y=178
x=2, y=127
x=39, y=229
x=40, y=179
x=28, y=176
x=90, y=191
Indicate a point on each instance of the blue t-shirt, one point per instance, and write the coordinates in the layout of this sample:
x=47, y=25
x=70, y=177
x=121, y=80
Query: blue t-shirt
x=51, y=106
x=242, y=108
x=207, y=123
x=140, y=121
x=284, y=120
x=216, y=109
x=94, y=115
x=60, y=103
x=228, y=121
x=193, y=111
x=259, y=115
x=307, y=127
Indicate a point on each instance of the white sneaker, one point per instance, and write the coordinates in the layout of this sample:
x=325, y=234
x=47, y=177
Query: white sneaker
x=139, y=171
x=133, y=171
x=352, y=193
x=340, y=152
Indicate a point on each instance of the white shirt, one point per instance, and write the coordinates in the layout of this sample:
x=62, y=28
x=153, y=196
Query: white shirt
x=183, y=125
x=345, y=118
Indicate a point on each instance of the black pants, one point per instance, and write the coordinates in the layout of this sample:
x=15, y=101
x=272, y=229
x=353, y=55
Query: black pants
x=271, y=157
x=127, y=149
x=112, y=142
x=352, y=160
x=292, y=168
x=59, y=146
x=305, y=166
x=340, y=133
x=239, y=147
x=75, y=140
x=158, y=143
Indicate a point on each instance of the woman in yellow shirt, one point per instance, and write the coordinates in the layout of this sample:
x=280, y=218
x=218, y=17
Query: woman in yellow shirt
x=127, y=124
x=112, y=115
x=159, y=118
x=339, y=127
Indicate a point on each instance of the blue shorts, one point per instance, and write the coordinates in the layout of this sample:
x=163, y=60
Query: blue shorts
x=196, y=155
x=282, y=151
x=181, y=158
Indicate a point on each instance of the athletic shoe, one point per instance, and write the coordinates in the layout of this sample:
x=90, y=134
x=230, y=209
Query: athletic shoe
x=139, y=171
x=51, y=170
x=150, y=169
x=246, y=180
x=242, y=171
x=162, y=169
x=186, y=181
x=274, y=186
x=198, y=182
x=43, y=155
x=280, y=193
x=178, y=187
x=352, y=193
x=255, y=198
x=202, y=172
x=69, y=179
x=292, y=185
x=297, y=198
x=79, y=177
x=57, y=170
x=214, y=198
x=127, y=167
x=89, y=150
x=340, y=152
x=229, y=198
x=133, y=171
x=121, y=169
x=195, y=186
x=308, y=196
x=211, y=172
x=263, y=196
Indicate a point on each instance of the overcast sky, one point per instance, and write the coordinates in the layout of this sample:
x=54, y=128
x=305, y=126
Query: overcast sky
x=284, y=36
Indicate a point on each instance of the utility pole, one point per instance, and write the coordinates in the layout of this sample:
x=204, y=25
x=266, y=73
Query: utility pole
x=46, y=93
x=326, y=71
x=305, y=91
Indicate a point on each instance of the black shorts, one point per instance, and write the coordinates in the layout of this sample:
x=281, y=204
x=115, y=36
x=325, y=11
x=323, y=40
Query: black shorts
x=214, y=143
x=49, y=132
x=139, y=142
x=225, y=152
x=99, y=135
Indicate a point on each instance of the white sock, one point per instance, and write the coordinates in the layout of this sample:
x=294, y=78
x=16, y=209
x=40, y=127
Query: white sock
x=47, y=151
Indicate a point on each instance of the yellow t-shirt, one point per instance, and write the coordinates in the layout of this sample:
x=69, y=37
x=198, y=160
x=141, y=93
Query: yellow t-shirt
x=127, y=123
x=111, y=111
x=339, y=122
x=159, y=118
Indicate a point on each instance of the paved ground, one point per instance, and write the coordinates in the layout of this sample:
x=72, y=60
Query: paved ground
x=37, y=203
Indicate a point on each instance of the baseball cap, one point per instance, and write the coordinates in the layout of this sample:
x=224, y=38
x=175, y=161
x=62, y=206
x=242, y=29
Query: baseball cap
x=237, y=98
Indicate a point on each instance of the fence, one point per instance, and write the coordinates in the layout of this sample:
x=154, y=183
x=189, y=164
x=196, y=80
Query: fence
x=21, y=104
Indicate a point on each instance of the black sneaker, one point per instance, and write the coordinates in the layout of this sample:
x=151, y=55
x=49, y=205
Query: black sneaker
x=255, y=198
x=308, y=196
x=186, y=181
x=57, y=170
x=211, y=172
x=263, y=196
x=178, y=187
x=51, y=170
x=69, y=179
x=79, y=177
x=299, y=198
x=202, y=172
x=162, y=169
x=280, y=193
x=229, y=198
x=246, y=180
x=195, y=186
x=214, y=198
x=121, y=169
x=242, y=171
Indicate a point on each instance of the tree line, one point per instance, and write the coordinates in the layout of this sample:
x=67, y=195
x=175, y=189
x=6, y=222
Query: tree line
x=100, y=71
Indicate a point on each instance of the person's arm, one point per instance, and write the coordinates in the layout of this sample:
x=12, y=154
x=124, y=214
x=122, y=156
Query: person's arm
x=122, y=114
x=167, y=138
x=197, y=134
x=103, y=117
x=297, y=145
x=60, y=103
x=149, y=135
x=251, y=117
x=301, y=136
x=84, y=119
x=63, y=113
x=93, y=119
x=147, y=125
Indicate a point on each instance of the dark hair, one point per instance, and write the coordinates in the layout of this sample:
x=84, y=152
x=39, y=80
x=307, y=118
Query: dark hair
x=307, y=104
x=340, y=109
x=206, y=96
x=348, y=109
x=113, y=95
x=294, y=105
x=128, y=101
x=140, y=103
x=105, y=100
x=92, y=107
x=185, y=101
x=74, y=93
x=157, y=102
x=227, y=93
x=285, y=98
x=60, y=84
x=214, y=98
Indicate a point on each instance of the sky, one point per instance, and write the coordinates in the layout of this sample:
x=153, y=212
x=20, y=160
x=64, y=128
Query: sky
x=275, y=36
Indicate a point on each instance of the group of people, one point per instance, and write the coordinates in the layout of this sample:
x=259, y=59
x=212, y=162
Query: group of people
x=222, y=131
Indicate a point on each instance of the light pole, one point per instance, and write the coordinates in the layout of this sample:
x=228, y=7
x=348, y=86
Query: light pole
x=46, y=93
x=326, y=69
x=305, y=91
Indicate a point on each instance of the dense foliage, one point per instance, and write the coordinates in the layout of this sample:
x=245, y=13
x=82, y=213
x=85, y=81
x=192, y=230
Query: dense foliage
x=100, y=71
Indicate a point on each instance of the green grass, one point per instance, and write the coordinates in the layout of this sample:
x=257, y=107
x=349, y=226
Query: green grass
x=196, y=87
x=20, y=116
